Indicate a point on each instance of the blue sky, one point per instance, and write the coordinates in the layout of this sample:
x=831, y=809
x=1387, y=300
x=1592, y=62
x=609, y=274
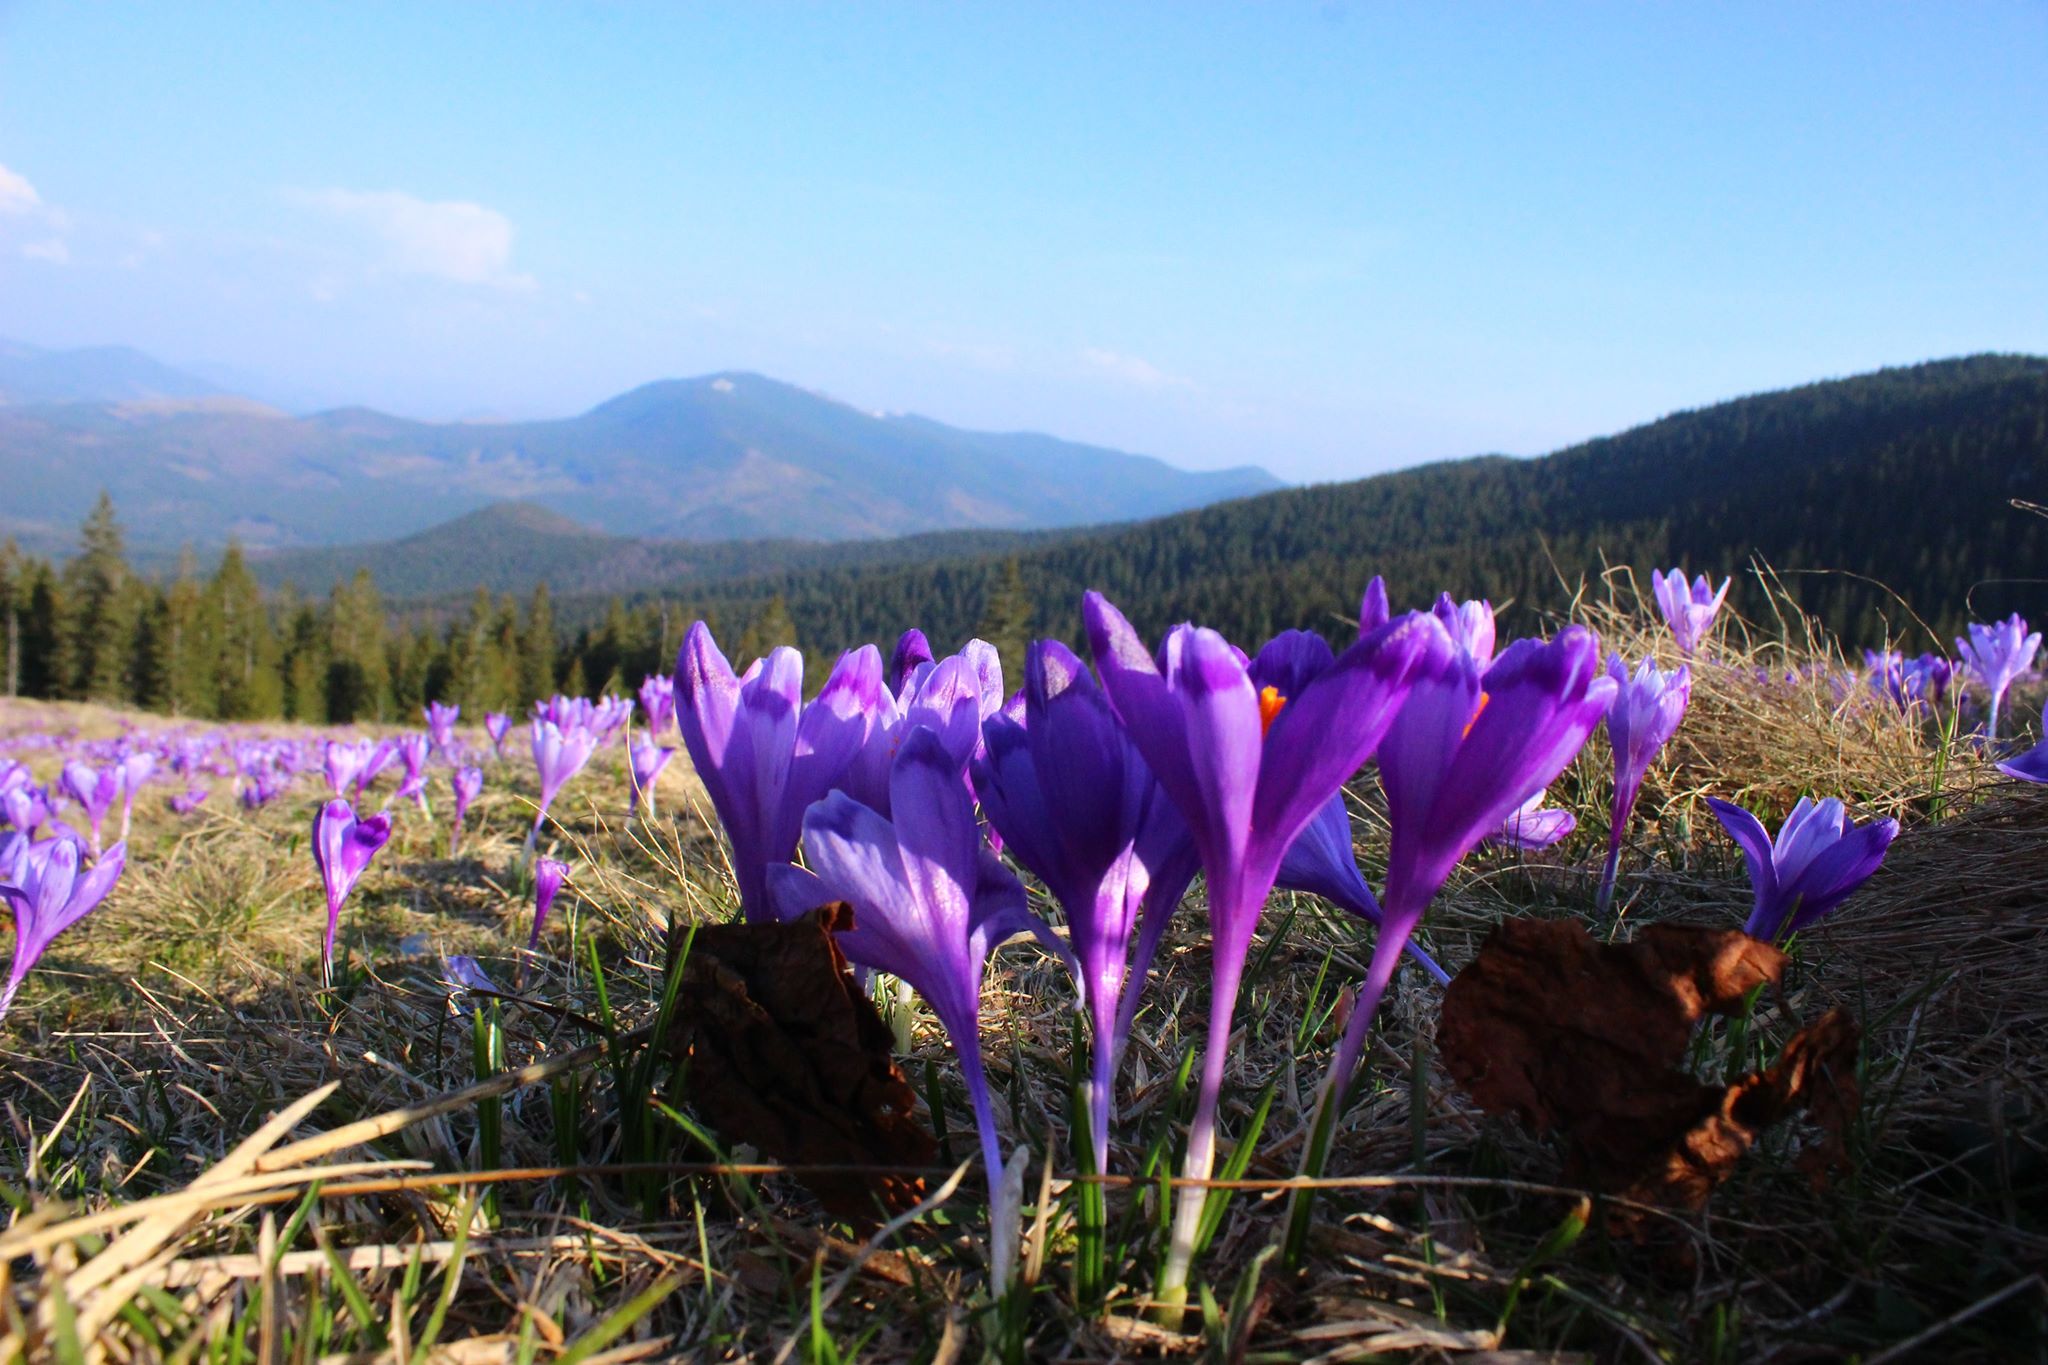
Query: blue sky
x=1331, y=239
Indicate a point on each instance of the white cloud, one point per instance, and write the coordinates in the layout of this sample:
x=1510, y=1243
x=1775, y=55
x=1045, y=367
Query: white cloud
x=18, y=198
x=51, y=249
x=1133, y=370
x=448, y=239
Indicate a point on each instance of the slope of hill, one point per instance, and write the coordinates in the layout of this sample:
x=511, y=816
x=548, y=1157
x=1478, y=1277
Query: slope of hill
x=92, y=374
x=722, y=457
x=1898, y=482
x=510, y=546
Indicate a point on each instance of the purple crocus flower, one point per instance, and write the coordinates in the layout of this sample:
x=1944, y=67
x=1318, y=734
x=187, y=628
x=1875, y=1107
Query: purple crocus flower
x=343, y=763
x=94, y=789
x=26, y=808
x=441, y=720
x=548, y=874
x=1458, y=761
x=468, y=784
x=762, y=754
x=189, y=800
x=47, y=895
x=951, y=698
x=1996, y=654
x=657, y=703
x=412, y=752
x=376, y=758
x=497, y=725
x=135, y=770
x=262, y=788
x=466, y=974
x=1534, y=827
x=2031, y=766
x=1641, y=720
x=1818, y=859
x=1321, y=860
x=1075, y=804
x=1248, y=771
x=1470, y=625
x=342, y=848
x=558, y=755
x=1690, y=612
x=912, y=652
x=646, y=761
x=930, y=904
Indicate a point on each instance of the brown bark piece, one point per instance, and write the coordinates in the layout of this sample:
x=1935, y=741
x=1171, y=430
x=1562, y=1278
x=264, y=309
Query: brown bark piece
x=787, y=1053
x=1584, y=1038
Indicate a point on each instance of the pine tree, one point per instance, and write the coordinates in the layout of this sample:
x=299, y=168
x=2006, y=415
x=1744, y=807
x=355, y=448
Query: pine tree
x=13, y=600
x=537, y=649
x=101, y=620
x=246, y=680
x=358, y=667
x=772, y=629
x=1006, y=621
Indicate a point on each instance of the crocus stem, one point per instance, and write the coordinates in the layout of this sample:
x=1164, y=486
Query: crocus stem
x=1101, y=1080
x=1172, y=1294
x=991, y=1160
x=1991, y=718
x=1606, y=897
x=1617, y=825
x=1386, y=958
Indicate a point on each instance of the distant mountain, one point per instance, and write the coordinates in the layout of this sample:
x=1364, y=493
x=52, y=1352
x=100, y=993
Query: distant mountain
x=1883, y=501
x=727, y=456
x=94, y=374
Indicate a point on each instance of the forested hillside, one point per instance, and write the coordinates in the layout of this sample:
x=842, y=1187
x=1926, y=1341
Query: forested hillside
x=1884, y=502
x=1869, y=495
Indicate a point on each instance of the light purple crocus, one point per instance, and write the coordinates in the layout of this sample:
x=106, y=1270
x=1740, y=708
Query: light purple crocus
x=1690, y=612
x=497, y=725
x=657, y=704
x=441, y=720
x=189, y=800
x=377, y=757
x=1534, y=827
x=1462, y=756
x=1075, y=804
x=136, y=769
x=646, y=762
x=94, y=789
x=47, y=895
x=412, y=752
x=1996, y=654
x=558, y=755
x=930, y=904
x=27, y=808
x=763, y=756
x=951, y=698
x=342, y=848
x=342, y=762
x=467, y=784
x=1248, y=769
x=1645, y=713
x=548, y=875
x=1817, y=860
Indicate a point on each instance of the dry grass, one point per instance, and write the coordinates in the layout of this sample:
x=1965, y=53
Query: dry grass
x=187, y=1014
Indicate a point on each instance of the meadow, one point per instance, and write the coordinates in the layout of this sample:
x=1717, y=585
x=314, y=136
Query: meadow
x=448, y=1145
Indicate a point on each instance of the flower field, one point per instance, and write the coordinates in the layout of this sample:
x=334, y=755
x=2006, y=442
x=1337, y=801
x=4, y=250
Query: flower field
x=1664, y=987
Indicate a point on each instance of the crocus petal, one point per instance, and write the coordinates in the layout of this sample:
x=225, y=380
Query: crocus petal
x=1837, y=871
x=1755, y=842
x=1326, y=734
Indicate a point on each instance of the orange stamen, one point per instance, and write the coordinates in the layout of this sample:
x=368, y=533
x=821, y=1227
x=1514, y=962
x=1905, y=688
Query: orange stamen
x=1477, y=712
x=1270, y=702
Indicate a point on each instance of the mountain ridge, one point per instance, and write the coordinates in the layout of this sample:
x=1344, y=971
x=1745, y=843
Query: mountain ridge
x=726, y=456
